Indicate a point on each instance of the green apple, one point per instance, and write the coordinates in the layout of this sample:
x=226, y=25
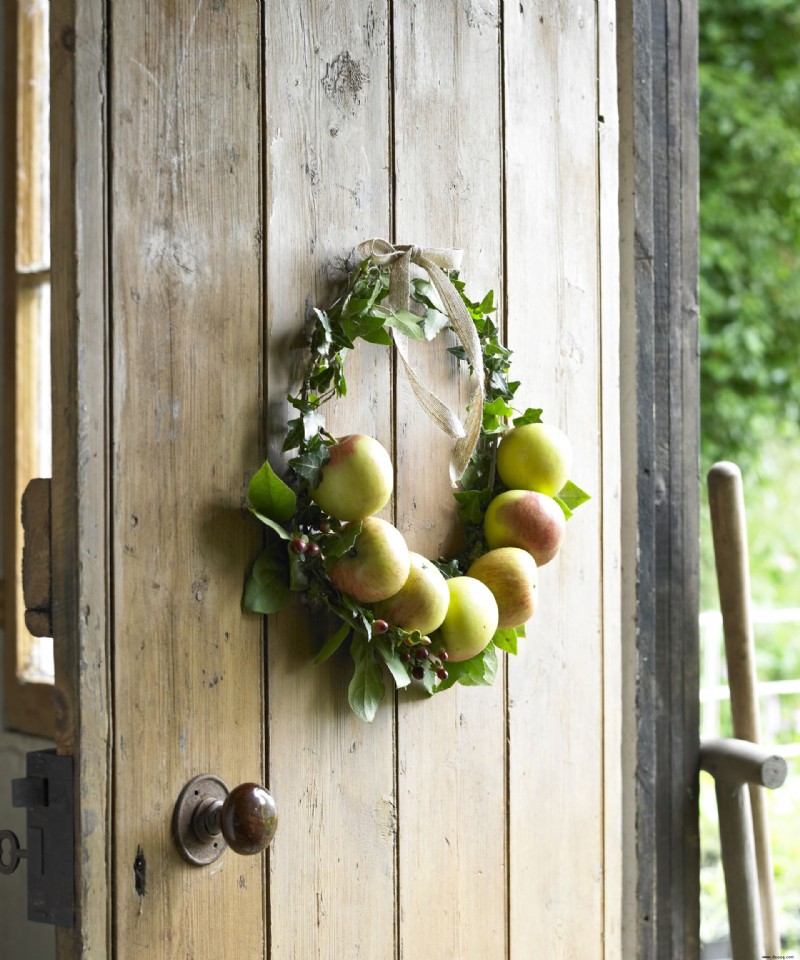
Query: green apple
x=357, y=481
x=536, y=456
x=376, y=567
x=422, y=601
x=471, y=618
x=510, y=573
x=528, y=520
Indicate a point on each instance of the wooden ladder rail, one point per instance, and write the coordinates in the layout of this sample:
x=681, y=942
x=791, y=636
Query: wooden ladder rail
x=735, y=765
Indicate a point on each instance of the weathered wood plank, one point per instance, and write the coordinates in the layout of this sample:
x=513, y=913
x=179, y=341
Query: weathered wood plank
x=187, y=362
x=614, y=716
x=451, y=750
x=332, y=866
x=36, y=579
x=79, y=490
x=556, y=719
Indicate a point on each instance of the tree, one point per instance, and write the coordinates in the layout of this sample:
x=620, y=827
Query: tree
x=750, y=224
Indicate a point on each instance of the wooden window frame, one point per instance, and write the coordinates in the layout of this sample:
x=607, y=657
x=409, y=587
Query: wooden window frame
x=28, y=703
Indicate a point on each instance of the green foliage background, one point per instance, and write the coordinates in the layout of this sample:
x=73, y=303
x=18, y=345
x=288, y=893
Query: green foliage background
x=750, y=360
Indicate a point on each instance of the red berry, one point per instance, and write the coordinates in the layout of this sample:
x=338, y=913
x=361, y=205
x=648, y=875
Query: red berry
x=325, y=527
x=379, y=627
x=423, y=653
x=405, y=656
x=442, y=674
x=313, y=550
x=299, y=545
x=444, y=656
x=418, y=673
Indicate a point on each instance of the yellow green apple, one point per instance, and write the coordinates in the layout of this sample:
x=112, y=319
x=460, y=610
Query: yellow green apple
x=357, y=481
x=535, y=456
x=376, y=567
x=471, y=618
x=510, y=573
x=526, y=519
x=421, y=603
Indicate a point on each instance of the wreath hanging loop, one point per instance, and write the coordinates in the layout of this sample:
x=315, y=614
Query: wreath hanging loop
x=440, y=622
x=435, y=261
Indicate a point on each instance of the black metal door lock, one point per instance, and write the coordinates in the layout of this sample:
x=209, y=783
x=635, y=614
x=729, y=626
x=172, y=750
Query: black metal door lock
x=47, y=794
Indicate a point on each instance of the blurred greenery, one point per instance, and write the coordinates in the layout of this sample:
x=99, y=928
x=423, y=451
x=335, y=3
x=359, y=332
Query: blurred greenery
x=750, y=365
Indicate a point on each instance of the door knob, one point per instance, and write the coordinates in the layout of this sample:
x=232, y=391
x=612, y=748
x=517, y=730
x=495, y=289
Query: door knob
x=209, y=817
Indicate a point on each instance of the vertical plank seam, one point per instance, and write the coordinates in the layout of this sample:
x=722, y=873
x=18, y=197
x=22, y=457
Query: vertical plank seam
x=391, y=147
x=111, y=866
x=263, y=438
x=501, y=66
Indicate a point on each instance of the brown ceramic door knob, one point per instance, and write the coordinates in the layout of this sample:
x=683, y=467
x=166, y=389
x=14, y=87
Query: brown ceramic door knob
x=208, y=817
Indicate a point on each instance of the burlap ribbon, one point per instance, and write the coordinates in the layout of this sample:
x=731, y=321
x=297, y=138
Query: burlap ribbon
x=434, y=262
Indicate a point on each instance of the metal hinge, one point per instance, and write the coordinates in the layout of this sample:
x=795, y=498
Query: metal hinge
x=47, y=792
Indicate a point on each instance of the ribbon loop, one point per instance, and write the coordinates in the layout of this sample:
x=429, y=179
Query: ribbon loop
x=435, y=262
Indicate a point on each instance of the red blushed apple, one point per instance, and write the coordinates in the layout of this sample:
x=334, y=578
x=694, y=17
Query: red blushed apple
x=422, y=601
x=535, y=456
x=471, y=618
x=357, y=481
x=510, y=573
x=528, y=520
x=376, y=567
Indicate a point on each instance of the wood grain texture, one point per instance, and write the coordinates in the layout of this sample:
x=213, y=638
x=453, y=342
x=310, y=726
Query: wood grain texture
x=79, y=491
x=186, y=306
x=326, y=139
x=556, y=815
x=614, y=716
x=659, y=119
x=451, y=750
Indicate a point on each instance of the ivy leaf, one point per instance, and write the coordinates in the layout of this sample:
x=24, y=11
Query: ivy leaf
x=310, y=463
x=494, y=413
x=406, y=322
x=269, y=496
x=448, y=568
x=571, y=496
x=333, y=644
x=433, y=323
x=267, y=587
x=471, y=506
x=295, y=434
x=481, y=669
x=338, y=546
x=366, y=689
x=506, y=640
x=531, y=415
x=391, y=658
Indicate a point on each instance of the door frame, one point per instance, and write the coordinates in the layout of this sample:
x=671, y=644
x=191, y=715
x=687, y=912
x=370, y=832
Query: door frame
x=657, y=62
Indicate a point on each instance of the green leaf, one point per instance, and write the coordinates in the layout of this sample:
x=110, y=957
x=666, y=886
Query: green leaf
x=267, y=587
x=564, y=508
x=310, y=463
x=494, y=413
x=272, y=524
x=391, y=658
x=366, y=689
x=531, y=415
x=337, y=547
x=471, y=505
x=433, y=323
x=506, y=640
x=572, y=496
x=333, y=643
x=406, y=322
x=448, y=568
x=270, y=496
x=481, y=669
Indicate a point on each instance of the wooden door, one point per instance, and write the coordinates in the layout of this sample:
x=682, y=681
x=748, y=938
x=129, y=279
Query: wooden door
x=220, y=160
